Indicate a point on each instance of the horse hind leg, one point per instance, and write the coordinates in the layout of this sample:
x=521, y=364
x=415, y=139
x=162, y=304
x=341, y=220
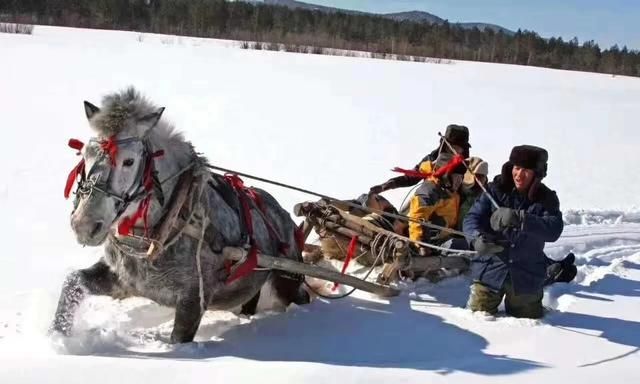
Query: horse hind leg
x=95, y=280
x=290, y=289
x=249, y=308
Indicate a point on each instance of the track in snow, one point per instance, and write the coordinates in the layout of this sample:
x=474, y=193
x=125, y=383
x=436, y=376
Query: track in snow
x=110, y=327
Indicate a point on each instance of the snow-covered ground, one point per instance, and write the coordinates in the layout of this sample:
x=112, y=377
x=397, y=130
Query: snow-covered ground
x=335, y=125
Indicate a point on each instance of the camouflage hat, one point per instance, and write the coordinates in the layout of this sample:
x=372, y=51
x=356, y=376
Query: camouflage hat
x=477, y=166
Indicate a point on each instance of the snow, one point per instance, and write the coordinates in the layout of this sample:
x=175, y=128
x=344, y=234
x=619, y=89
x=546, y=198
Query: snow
x=335, y=125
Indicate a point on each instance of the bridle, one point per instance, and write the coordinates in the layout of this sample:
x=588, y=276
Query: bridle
x=144, y=186
x=89, y=183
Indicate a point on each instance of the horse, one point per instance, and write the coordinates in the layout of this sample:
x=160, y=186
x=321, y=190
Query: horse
x=163, y=219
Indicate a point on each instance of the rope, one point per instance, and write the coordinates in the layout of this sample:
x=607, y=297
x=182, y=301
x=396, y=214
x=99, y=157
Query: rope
x=348, y=203
x=205, y=223
x=366, y=276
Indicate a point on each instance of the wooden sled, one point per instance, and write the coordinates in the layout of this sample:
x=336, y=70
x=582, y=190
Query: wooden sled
x=378, y=246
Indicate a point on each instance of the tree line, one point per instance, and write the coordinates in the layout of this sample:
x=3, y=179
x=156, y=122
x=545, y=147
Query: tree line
x=276, y=24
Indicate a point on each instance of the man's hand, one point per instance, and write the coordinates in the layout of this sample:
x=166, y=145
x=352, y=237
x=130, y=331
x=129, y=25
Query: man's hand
x=485, y=247
x=504, y=218
x=377, y=189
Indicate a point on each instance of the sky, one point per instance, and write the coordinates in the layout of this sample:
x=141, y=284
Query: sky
x=608, y=22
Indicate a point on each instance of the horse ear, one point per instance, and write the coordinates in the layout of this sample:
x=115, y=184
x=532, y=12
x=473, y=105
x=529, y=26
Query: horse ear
x=90, y=109
x=152, y=118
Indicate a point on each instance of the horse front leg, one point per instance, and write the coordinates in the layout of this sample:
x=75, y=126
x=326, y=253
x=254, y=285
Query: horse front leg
x=187, y=319
x=95, y=280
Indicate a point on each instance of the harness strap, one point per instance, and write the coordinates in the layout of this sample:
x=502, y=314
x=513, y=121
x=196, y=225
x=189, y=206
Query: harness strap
x=126, y=225
x=244, y=195
x=176, y=204
x=251, y=262
x=283, y=247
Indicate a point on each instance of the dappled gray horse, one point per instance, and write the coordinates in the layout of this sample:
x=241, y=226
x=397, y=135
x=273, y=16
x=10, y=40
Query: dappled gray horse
x=164, y=219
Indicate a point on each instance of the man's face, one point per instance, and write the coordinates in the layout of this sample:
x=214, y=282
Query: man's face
x=522, y=178
x=458, y=148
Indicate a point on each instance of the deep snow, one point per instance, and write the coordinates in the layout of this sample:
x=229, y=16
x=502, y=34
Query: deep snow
x=335, y=125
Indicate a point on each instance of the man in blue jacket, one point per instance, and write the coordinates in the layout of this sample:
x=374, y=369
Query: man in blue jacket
x=511, y=263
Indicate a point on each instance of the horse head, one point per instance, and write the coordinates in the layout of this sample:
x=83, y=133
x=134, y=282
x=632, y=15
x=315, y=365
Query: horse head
x=116, y=177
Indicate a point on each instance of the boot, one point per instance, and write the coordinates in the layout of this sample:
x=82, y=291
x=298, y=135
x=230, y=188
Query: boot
x=563, y=271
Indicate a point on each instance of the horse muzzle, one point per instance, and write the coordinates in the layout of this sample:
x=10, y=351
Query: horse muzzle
x=89, y=232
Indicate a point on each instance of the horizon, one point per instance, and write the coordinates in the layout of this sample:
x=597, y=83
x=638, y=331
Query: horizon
x=608, y=24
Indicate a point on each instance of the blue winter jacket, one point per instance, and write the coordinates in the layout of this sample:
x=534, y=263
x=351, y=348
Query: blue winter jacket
x=523, y=259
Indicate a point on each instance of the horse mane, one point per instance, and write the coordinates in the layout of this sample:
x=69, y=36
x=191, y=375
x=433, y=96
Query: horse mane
x=120, y=111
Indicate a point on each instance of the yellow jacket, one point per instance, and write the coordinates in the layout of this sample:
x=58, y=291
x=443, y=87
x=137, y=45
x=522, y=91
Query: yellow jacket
x=432, y=203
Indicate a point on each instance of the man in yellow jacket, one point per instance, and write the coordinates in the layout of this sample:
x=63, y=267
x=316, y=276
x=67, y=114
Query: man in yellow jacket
x=456, y=135
x=436, y=200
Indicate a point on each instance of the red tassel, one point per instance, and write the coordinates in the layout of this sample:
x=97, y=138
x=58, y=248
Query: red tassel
x=299, y=236
x=125, y=228
x=73, y=176
x=450, y=166
x=350, y=251
x=412, y=173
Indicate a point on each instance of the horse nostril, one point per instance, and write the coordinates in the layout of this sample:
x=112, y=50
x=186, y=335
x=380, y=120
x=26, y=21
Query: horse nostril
x=96, y=229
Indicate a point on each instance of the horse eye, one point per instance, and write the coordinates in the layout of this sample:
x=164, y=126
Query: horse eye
x=127, y=162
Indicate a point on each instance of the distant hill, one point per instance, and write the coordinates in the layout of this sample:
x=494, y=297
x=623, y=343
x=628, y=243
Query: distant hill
x=415, y=16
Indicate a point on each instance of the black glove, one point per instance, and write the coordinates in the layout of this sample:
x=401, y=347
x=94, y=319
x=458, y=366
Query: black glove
x=562, y=271
x=377, y=189
x=504, y=218
x=485, y=247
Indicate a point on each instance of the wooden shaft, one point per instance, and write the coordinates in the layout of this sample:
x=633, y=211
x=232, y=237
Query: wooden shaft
x=280, y=263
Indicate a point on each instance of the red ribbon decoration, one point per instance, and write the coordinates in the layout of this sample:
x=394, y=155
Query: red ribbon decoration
x=73, y=176
x=77, y=170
